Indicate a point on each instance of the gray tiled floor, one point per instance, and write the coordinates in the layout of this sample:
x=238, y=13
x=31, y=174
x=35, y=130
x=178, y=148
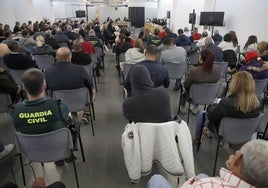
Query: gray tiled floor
x=104, y=166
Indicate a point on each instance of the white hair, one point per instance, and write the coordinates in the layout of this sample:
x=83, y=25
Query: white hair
x=254, y=168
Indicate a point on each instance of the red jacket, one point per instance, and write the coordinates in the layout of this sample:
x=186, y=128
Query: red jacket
x=88, y=48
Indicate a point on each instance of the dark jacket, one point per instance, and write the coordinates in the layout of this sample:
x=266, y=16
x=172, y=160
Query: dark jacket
x=67, y=76
x=158, y=73
x=18, y=61
x=182, y=40
x=227, y=108
x=44, y=50
x=81, y=58
x=217, y=51
x=199, y=75
x=255, y=68
x=40, y=116
x=147, y=104
x=8, y=85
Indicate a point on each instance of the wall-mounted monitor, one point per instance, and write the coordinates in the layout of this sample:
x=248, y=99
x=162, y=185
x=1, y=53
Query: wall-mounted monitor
x=211, y=18
x=80, y=13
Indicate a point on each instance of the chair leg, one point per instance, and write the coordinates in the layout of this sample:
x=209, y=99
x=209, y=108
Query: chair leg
x=216, y=158
x=179, y=108
x=201, y=131
x=75, y=172
x=42, y=164
x=188, y=114
x=265, y=131
x=81, y=147
x=22, y=170
x=92, y=110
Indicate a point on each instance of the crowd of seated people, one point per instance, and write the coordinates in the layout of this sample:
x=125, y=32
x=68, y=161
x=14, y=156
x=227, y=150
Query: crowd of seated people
x=148, y=80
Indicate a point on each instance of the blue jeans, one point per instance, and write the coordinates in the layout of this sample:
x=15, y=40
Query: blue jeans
x=2, y=146
x=199, y=123
x=158, y=181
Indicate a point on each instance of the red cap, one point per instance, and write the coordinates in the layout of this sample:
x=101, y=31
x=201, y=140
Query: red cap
x=251, y=55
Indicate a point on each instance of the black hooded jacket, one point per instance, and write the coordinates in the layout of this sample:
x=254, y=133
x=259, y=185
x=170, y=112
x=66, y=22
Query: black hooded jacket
x=147, y=104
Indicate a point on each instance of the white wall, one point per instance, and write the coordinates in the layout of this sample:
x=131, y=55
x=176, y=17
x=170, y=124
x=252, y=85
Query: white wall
x=163, y=7
x=180, y=12
x=246, y=17
x=24, y=10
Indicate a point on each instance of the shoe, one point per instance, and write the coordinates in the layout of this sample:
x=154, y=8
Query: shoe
x=183, y=110
x=176, y=88
x=70, y=159
x=85, y=118
x=8, y=148
x=194, y=109
x=59, y=163
x=207, y=132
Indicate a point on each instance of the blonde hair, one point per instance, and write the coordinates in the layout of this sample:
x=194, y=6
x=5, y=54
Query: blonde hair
x=243, y=88
x=139, y=44
x=40, y=40
x=262, y=46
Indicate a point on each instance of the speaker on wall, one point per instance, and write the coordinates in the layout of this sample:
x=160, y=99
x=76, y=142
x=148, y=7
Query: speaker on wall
x=192, y=18
x=168, y=14
x=80, y=13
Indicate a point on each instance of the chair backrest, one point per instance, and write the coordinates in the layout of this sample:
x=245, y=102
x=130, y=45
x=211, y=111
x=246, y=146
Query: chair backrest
x=127, y=67
x=175, y=70
x=193, y=58
x=76, y=99
x=204, y=93
x=2, y=64
x=223, y=66
x=122, y=57
x=260, y=87
x=238, y=131
x=5, y=101
x=94, y=59
x=44, y=61
x=99, y=52
x=64, y=44
x=88, y=69
x=17, y=75
x=47, y=147
x=187, y=48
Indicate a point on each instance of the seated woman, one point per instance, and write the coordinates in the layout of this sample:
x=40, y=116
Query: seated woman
x=206, y=72
x=250, y=45
x=134, y=55
x=147, y=104
x=41, y=48
x=229, y=48
x=254, y=65
x=241, y=103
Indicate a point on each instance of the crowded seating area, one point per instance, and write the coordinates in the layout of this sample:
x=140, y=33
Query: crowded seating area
x=94, y=104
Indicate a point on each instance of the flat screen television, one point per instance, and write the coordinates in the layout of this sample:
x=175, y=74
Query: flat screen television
x=80, y=13
x=212, y=18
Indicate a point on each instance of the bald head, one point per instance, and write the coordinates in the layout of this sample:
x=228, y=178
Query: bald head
x=63, y=54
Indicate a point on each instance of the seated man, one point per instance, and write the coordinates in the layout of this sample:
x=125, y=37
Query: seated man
x=209, y=44
x=158, y=72
x=38, y=114
x=173, y=54
x=247, y=168
x=155, y=39
x=182, y=39
x=67, y=76
x=79, y=57
x=146, y=104
x=16, y=60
